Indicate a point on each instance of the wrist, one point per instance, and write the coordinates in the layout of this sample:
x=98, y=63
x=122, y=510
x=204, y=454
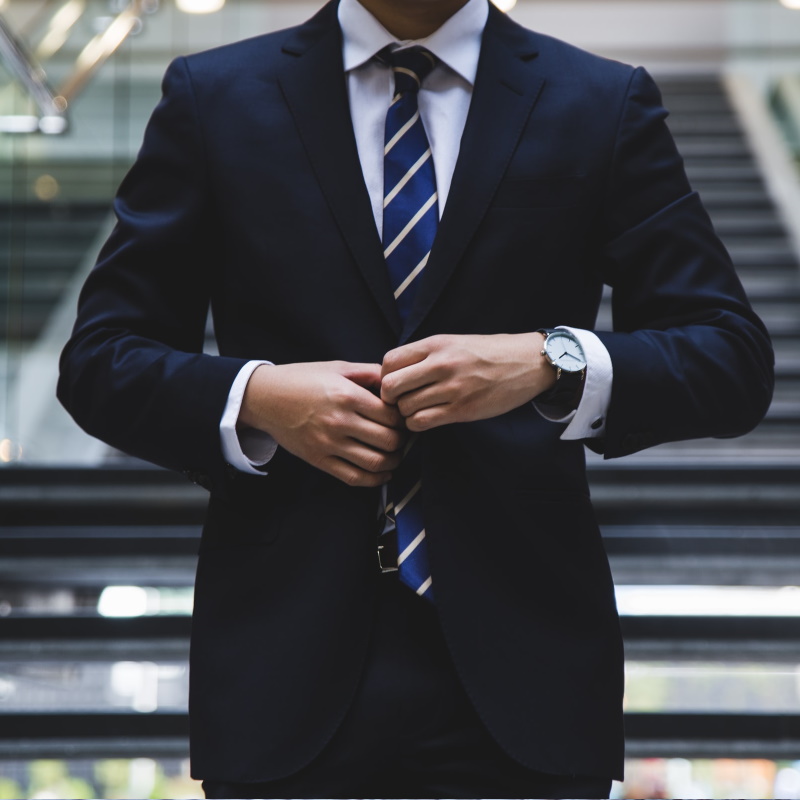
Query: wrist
x=545, y=374
x=254, y=400
x=531, y=374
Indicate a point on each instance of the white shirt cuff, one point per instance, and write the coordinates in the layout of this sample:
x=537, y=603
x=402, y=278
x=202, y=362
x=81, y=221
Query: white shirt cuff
x=248, y=448
x=588, y=420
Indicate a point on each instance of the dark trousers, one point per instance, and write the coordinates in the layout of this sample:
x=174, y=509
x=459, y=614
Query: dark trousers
x=412, y=732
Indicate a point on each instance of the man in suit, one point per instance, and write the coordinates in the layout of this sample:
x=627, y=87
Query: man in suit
x=278, y=180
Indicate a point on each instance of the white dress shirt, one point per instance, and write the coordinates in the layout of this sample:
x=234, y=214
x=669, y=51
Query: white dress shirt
x=443, y=104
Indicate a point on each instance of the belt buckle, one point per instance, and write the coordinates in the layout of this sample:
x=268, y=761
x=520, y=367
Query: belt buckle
x=387, y=552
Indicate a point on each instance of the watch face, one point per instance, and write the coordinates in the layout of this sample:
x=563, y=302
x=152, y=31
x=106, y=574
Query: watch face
x=565, y=351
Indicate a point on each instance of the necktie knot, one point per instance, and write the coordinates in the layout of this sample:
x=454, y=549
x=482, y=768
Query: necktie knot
x=411, y=66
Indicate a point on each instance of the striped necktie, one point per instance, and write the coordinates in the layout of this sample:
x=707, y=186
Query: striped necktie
x=410, y=219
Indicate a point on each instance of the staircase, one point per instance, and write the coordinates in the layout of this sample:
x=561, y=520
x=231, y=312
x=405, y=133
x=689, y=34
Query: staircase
x=50, y=214
x=722, y=169
x=711, y=512
x=717, y=512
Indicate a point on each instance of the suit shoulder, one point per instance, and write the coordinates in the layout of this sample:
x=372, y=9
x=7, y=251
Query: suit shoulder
x=263, y=54
x=569, y=61
x=579, y=62
x=263, y=51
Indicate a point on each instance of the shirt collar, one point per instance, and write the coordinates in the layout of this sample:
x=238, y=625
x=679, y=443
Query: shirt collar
x=457, y=43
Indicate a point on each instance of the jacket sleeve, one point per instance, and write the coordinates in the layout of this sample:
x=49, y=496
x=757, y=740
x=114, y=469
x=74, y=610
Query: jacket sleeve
x=690, y=357
x=133, y=373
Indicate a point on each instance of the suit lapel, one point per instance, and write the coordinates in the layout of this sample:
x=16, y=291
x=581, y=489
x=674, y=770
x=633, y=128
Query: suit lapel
x=315, y=89
x=506, y=89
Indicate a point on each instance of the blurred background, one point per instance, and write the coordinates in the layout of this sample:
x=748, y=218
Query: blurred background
x=97, y=550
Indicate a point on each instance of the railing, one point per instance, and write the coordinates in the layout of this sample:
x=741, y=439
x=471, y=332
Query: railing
x=29, y=68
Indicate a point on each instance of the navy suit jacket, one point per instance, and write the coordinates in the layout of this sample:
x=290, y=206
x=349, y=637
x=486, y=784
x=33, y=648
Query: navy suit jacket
x=248, y=194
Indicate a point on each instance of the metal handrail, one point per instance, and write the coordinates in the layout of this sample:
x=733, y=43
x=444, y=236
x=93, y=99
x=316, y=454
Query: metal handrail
x=52, y=105
x=101, y=47
x=31, y=76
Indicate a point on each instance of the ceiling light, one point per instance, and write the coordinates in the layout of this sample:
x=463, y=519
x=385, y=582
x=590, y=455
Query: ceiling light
x=60, y=26
x=505, y=5
x=791, y=3
x=200, y=6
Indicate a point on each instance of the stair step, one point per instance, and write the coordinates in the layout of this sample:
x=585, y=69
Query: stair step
x=787, y=360
x=37, y=298
x=785, y=409
x=725, y=173
x=716, y=196
x=787, y=386
x=720, y=124
x=714, y=149
x=120, y=540
x=737, y=224
x=666, y=486
x=35, y=259
x=778, y=310
x=44, y=242
x=762, y=252
x=735, y=555
x=82, y=229
x=143, y=495
x=678, y=104
x=75, y=211
x=783, y=285
x=767, y=446
x=692, y=86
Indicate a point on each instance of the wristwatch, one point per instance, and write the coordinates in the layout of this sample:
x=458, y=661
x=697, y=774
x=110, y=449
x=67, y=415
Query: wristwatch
x=564, y=352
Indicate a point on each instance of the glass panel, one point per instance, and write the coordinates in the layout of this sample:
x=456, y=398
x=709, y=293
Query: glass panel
x=67, y=598
x=67, y=686
x=119, y=778
x=111, y=601
x=56, y=190
x=169, y=777
x=712, y=687
x=679, y=777
x=709, y=601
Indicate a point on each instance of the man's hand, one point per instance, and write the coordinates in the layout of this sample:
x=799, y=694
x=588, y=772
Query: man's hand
x=450, y=378
x=328, y=414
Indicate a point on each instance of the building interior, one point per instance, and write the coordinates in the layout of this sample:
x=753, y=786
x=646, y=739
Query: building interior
x=98, y=550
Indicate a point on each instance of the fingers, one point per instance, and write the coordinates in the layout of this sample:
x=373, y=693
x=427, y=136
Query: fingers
x=368, y=458
x=416, y=365
x=434, y=394
x=366, y=375
x=328, y=414
x=376, y=409
x=408, y=379
x=433, y=417
x=377, y=436
x=356, y=463
x=350, y=474
x=462, y=377
x=405, y=356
